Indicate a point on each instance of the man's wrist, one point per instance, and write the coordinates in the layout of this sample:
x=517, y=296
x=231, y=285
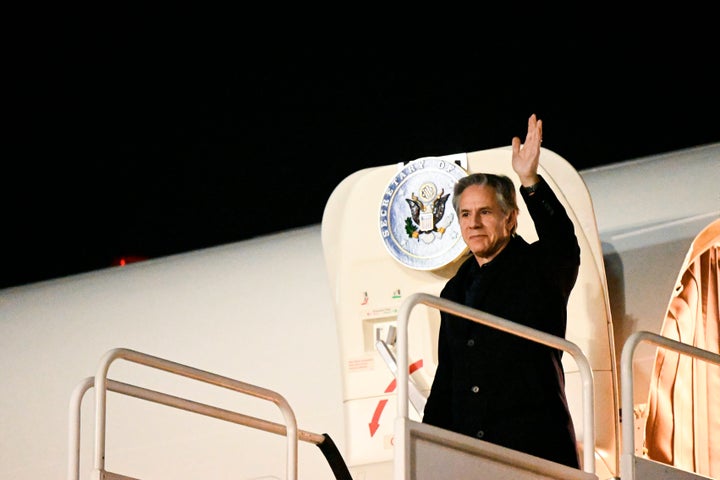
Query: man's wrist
x=531, y=189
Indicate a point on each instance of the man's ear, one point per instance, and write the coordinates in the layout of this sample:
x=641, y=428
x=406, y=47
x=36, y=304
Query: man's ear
x=512, y=221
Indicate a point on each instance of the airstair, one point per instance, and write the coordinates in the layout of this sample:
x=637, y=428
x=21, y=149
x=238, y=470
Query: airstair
x=421, y=451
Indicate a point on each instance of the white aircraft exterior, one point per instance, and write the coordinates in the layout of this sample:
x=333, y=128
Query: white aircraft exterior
x=298, y=314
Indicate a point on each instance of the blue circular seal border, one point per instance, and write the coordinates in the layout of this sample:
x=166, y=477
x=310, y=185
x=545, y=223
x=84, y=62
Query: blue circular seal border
x=417, y=222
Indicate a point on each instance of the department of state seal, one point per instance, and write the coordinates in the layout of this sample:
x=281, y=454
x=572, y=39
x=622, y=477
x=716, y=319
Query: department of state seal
x=417, y=221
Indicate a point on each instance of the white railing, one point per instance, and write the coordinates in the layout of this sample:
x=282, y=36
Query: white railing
x=628, y=458
x=102, y=384
x=500, y=324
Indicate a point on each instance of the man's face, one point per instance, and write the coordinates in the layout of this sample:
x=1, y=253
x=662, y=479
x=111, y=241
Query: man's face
x=485, y=228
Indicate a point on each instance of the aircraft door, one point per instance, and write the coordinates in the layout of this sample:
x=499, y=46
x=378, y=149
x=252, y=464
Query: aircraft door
x=391, y=231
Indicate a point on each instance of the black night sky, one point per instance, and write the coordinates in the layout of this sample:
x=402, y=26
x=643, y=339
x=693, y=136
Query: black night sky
x=147, y=140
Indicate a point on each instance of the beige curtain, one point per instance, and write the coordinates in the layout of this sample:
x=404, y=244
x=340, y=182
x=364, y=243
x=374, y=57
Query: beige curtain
x=683, y=424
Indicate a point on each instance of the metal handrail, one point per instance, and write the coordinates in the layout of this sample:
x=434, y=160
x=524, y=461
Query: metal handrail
x=506, y=326
x=627, y=463
x=167, y=400
x=102, y=384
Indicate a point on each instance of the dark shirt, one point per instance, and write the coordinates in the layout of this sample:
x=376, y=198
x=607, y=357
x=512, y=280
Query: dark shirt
x=497, y=386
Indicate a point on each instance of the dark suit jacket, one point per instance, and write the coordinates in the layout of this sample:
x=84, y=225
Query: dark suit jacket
x=497, y=386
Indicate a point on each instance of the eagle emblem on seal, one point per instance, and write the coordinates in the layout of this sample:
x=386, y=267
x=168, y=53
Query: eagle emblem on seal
x=426, y=213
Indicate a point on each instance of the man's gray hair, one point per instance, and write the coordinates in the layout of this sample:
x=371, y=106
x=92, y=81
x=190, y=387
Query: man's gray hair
x=503, y=186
